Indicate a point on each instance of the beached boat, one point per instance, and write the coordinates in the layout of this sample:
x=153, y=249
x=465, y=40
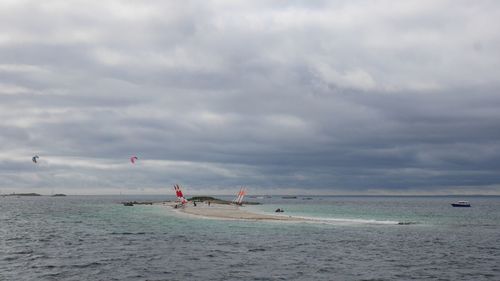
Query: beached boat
x=461, y=204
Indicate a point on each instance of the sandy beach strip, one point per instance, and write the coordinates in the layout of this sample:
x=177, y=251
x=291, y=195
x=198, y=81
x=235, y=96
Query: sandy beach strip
x=233, y=212
x=220, y=211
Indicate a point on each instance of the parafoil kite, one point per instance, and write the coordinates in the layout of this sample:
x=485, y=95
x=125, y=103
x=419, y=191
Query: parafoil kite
x=133, y=159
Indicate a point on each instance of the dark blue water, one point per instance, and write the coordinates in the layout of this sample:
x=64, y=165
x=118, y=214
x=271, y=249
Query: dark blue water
x=94, y=238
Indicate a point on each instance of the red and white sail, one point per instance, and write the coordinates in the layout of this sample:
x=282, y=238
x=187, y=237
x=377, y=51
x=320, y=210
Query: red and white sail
x=239, y=198
x=179, y=195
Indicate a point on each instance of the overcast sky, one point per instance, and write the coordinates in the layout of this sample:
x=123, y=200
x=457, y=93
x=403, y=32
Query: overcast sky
x=330, y=97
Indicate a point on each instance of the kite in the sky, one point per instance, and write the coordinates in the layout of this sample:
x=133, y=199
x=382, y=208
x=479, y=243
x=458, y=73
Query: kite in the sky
x=35, y=159
x=133, y=159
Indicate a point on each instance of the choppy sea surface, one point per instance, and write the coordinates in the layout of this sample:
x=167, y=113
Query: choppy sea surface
x=354, y=238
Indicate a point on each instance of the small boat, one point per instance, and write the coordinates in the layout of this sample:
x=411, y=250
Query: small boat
x=461, y=204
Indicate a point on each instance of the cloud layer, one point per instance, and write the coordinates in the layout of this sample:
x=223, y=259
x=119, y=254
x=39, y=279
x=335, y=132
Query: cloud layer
x=282, y=96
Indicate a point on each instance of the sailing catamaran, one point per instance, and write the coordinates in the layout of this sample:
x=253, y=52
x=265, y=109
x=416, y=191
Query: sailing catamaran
x=239, y=198
x=179, y=195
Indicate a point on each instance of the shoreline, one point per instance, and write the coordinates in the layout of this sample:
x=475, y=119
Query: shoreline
x=231, y=212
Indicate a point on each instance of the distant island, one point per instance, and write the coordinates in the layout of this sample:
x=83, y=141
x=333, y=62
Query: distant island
x=23, y=194
x=32, y=194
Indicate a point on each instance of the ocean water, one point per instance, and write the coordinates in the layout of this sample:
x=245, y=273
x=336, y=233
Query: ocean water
x=353, y=238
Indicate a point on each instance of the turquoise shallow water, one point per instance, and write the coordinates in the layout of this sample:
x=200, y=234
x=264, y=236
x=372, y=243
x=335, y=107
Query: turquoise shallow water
x=95, y=238
x=426, y=210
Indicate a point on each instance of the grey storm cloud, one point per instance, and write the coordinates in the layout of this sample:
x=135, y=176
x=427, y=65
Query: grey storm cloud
x=282, y=96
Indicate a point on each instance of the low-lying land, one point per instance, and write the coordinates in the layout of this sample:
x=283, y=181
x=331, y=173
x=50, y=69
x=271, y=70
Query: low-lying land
x=226, y=211
x=217, y=201
x=22, y=194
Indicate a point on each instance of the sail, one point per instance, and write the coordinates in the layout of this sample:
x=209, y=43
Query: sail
x=239, y=198
x=179, y=195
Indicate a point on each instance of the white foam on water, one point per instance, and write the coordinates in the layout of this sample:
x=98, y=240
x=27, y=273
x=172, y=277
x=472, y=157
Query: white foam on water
x=330, y=220
x=301, y=219
x=347, y=221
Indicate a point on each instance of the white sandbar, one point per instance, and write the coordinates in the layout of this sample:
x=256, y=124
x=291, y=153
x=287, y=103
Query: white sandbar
x=221, y=211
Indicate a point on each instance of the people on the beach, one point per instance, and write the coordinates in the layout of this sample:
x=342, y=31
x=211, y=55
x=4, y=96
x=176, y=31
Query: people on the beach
x=194, y=203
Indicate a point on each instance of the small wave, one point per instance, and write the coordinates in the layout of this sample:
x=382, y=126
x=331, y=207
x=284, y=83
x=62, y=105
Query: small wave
x=122, y=233
x=54, y=275
x=92, y=264
x=45, y=266
x=14, y=238
x=26, y=252
x=257, y=250
x=32, y=257
x=407, y=222
x=347, y=221
x=128, y=233
x=324, y=270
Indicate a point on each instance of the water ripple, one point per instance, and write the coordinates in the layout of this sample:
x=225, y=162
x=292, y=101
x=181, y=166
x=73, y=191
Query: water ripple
x=91, y=238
